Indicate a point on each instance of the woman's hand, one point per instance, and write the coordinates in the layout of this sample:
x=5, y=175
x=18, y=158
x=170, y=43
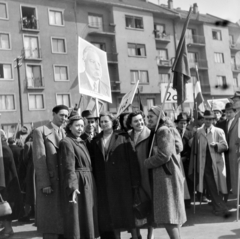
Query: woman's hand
x=74, y=196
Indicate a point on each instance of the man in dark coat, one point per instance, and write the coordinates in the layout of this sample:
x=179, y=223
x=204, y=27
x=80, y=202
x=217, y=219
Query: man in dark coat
x=45, y=147
x=16, y=151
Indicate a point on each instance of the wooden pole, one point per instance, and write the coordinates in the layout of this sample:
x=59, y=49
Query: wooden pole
x=238, y=174
x=194, y=172
x=97, y=112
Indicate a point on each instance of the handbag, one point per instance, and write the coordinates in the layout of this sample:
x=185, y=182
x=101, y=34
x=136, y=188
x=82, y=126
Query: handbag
x=5, y=208
x=142, y=204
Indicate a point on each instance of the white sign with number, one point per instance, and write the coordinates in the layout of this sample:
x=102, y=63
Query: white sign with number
x=172, y=94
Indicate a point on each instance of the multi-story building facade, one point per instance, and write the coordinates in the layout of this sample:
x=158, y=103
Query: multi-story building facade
x=140, y=39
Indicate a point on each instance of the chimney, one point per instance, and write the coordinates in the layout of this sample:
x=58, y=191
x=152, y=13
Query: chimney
x=195, y=8
x=170, y=4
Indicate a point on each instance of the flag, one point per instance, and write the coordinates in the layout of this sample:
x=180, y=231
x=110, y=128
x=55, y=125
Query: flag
x=140, y=102
x=180, y=66
x=199, y=100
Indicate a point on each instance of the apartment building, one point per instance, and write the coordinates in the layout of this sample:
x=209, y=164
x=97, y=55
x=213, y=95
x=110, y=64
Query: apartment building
x=140, y=39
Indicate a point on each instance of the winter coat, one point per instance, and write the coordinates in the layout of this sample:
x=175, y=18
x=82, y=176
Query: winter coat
x=203, y=141
x=116, y=173
x=168, y=191
x=45, y=148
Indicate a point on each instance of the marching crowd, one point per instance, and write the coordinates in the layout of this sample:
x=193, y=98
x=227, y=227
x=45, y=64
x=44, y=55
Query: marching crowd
x=89, y=183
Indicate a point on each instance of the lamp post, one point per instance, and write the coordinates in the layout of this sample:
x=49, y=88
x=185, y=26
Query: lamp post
x=18, y=65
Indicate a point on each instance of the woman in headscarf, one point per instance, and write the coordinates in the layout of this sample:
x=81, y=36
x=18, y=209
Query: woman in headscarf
x=79, y=198
x=168, y=191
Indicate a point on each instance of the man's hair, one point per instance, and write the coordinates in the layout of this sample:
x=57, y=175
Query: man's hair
x=87, y=50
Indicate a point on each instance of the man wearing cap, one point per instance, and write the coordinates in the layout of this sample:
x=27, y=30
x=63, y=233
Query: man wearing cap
x=45, y=147
x=218, y=114
x=211, y=143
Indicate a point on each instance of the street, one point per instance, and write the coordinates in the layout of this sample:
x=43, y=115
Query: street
x=202, y=225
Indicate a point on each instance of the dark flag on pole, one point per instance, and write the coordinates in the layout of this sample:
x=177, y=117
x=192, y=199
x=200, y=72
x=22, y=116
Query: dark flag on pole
x=180, y=66
x=140, y=102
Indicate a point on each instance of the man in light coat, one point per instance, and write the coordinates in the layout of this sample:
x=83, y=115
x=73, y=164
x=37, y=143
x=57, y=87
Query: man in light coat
x=45, y=146
x=210, y=145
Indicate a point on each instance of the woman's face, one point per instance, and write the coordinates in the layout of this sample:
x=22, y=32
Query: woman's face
x=77, y=127
x=137, y=123
x=106, y=123
x=152, y=119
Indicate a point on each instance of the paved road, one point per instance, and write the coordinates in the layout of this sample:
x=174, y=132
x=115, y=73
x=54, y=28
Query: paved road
x=202, y=225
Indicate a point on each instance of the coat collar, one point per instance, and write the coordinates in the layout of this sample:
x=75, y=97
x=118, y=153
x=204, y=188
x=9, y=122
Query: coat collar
x=145, y=133
x=203, y=132
x=235, y=120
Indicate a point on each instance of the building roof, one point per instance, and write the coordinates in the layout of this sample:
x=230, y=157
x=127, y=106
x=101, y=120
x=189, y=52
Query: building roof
x=137, y=4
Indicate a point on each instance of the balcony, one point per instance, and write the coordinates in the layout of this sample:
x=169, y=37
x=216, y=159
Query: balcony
x=195, y=41
x=35, y=83
x=115, y=86
x=95, y=28
x=32, y=54
x=112, y=58
x=202, y=64
x=163, y=62
x=31, y=24
x=235, y=67
x=234, y=46
x=164, y=38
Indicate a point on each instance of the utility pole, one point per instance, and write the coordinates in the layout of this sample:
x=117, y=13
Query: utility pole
x=18, y=65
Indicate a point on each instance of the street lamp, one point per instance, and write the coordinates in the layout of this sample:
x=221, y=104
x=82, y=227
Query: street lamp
x=18, y=65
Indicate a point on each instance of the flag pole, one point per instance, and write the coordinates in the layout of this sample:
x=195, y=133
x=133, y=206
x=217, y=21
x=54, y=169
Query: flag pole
x=160, y=115
x=97, y=112
x=194, y=172
x=238, y=171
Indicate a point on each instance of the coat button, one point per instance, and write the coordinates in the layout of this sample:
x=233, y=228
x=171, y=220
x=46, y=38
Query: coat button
x=113, y=163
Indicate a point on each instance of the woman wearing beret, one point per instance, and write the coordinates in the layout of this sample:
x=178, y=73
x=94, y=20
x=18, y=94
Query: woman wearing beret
x=78, y=190
x=116, y=171
x=168, y=192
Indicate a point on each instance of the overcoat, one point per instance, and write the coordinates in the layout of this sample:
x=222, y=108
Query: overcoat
x=45, y=147
x=116, y=173
x=2, y=174
x=168, y=191
x=80, y=219
x=203, y=141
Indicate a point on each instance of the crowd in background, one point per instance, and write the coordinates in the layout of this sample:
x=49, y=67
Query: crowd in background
x=83, y=176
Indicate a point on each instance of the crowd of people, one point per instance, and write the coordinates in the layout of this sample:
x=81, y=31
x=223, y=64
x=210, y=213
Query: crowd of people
x=84, y=176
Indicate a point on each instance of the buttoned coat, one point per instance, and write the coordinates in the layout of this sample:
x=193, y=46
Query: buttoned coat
x=45, y=147
x=203, y=141
x=116, y=173
x=168, y=191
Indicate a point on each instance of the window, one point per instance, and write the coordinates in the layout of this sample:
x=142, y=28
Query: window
x=231, y=39
x=55, y=17
x=221, y=81
x=29, y=18
x=63, y=99
x=136, y=49
x=59, y=45
x=150, y=103
x=61, y=73
x=193, y=57
x=216, y=35
x=159, y=31
x=3, y=10
x=95, y=21
x=190, y=33
x=31, y=47
x=7, y=102
x=236, y=81
x=162, y=54
x=142, y=76
x=164, y=78
x=218, y=57
x=134, y=22
x=6, y=72
x=34, y=76
x=100, y=45
x=4, y=41
x=35, y=101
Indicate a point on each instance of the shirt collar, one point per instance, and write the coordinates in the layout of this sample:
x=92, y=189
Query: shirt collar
x=91, y=81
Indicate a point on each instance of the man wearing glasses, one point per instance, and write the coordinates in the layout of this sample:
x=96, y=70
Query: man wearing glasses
x=45, y=147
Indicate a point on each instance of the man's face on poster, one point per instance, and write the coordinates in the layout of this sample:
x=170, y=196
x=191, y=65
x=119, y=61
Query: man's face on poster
x=93, y=66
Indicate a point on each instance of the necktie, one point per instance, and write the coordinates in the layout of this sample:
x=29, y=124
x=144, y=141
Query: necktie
x=95, y=86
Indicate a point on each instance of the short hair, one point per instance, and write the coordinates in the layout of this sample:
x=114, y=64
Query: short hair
x=70, y=123
x=133, y=114
x=57, y=108
x=121, y=118
x=87, y=50
x=11, y=140
x=111, y=117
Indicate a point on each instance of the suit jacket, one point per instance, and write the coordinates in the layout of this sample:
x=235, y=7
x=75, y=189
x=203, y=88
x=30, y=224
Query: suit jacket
x=85, y=84
x=45, y=147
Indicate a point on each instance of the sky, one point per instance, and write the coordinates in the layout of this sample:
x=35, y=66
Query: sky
x=226, y=9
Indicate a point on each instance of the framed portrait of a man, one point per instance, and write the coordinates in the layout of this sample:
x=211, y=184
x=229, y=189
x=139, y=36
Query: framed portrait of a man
x=93, y=72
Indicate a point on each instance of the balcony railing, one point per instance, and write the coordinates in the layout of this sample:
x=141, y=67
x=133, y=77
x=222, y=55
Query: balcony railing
x=112, y=57
x=97, y=28
x=162, y=37
x=201, y=63
x=29, y=24
x=32, y=53
x=195, y=39
x=235, y=67
x=163, y=62
x=35, y=83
